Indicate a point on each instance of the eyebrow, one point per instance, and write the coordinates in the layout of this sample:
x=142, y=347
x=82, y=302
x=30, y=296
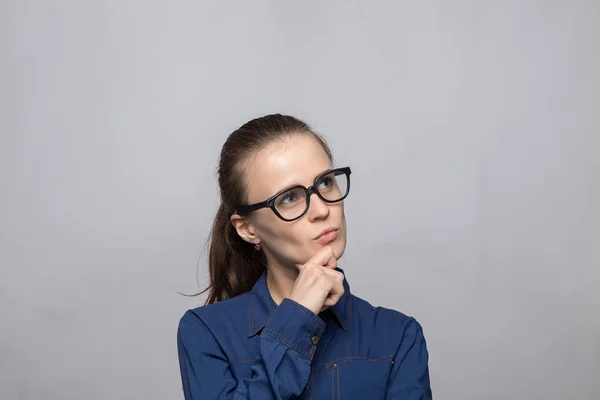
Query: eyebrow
x=288, y=187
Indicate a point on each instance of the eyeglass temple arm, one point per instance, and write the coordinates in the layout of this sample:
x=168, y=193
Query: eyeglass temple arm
x=253, y=207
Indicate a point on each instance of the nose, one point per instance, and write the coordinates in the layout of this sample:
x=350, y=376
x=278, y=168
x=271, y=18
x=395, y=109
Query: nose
x=318, y=209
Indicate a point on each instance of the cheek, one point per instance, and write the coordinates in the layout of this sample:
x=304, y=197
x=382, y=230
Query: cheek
x=340, y=244
x=288, y=243
x=281, y=236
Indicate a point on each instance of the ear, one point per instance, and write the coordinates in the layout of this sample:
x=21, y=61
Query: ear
x=244, y=228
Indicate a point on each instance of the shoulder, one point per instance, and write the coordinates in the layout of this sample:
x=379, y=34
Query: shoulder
x=387, y=321
x=212, y=317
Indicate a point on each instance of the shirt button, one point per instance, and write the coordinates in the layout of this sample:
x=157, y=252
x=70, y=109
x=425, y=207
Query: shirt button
x=315, y=340
x=306, y=388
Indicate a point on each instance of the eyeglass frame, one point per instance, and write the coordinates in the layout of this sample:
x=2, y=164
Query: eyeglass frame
x=270, y=202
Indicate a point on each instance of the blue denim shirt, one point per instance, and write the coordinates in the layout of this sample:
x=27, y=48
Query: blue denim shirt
x=247, y=347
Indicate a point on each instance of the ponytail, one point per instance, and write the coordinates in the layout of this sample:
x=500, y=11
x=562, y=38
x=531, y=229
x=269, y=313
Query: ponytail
x=234, y=265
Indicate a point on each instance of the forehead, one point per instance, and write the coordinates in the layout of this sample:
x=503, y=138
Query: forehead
x=297, y=159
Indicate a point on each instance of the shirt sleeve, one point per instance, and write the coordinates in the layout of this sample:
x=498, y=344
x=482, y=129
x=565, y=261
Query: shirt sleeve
x=409, y=379
x=280, y=371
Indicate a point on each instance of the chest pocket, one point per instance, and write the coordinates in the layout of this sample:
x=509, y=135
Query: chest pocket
x=354, y=378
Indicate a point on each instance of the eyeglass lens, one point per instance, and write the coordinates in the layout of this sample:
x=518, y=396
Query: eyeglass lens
x=292, y=203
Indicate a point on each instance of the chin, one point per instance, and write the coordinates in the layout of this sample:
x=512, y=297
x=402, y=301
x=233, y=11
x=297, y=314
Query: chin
x=339, y=254
x=339, y=246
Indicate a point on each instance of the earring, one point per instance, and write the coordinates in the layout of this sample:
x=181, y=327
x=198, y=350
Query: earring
x=257, y=247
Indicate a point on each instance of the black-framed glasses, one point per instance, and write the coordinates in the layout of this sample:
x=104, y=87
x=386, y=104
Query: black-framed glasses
x=292, y=203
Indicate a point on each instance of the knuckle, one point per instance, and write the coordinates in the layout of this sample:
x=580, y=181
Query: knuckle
x=311, y=269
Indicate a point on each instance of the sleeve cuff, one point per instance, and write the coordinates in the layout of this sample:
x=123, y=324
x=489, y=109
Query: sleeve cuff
x=296, y=326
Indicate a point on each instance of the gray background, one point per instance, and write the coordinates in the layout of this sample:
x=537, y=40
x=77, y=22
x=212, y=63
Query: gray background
x=472, y=128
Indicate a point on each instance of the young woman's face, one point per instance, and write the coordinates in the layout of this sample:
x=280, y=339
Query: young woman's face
x=296, y=161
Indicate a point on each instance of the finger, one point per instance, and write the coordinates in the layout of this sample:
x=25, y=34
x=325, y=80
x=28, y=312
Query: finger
x=322, y=258
x=337, y=289
x=324, y=308
x=325, y=257
x=337, y=276
x=329, y=302
x=334, y=295
x=332, y=300
x=331, y=262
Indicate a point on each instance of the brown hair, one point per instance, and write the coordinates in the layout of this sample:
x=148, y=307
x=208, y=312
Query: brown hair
x=234, y=265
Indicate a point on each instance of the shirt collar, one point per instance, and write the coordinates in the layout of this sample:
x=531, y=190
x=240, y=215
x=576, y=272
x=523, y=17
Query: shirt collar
x=261, y=305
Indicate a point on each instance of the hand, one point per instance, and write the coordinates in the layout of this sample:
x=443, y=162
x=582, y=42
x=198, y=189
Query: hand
x=319, y=286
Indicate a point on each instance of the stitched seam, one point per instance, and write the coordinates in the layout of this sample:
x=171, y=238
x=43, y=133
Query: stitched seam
x=349, y=311
x=332, y=385
x=267, y=320
x=344, y=321
x=253, y=330
x=312, y=316
x=288, y=342
x=251, y=314
x=321, y=367
x=233, y=361
x=338, y=316
x=338, y=382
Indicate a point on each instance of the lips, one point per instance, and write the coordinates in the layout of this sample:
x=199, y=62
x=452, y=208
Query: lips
x=327, y=236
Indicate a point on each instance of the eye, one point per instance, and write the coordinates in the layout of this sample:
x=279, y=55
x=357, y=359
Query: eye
x=326, y=182
x=288, y=198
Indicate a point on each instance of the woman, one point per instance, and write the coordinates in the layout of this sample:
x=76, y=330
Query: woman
x=280, y=321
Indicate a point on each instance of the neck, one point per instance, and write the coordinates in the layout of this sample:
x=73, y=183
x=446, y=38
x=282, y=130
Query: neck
x=280, y=282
